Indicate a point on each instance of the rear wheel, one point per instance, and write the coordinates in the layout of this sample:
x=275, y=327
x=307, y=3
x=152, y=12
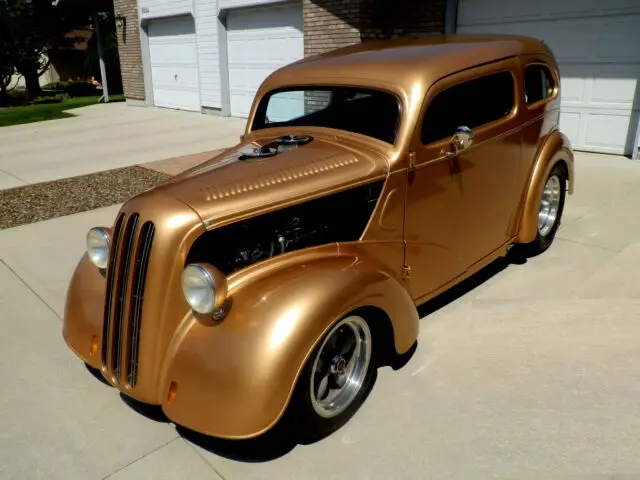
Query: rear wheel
x=335, y=380
x=550, y=210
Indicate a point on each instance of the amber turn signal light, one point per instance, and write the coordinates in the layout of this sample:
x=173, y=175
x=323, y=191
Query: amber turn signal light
x=94, y=346
x=173, y=390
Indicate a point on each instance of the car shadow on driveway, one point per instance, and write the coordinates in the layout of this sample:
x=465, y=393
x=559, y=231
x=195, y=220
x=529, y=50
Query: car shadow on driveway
x=468, y=285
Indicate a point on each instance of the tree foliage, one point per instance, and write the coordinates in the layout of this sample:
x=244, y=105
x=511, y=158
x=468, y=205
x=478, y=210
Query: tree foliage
x=31, y=29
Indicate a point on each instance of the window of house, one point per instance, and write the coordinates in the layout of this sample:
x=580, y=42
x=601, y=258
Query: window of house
x=469, y=104
x=538, y=83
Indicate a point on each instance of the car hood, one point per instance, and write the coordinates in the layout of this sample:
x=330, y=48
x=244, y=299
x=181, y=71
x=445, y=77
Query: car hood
x=231, y=186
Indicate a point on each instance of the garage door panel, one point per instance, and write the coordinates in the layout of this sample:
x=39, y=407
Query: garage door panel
x=174, y=63
x=266, y=19
x=475, y=12
x=605, y=131
x=171, y=27
x=570, y=124
x=596, y=44
x=185, y=78
x=176, y=53
x=259, y=41
x=619, y=39
x=608, y=92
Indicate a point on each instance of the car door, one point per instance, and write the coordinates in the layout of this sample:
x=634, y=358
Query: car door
x=462, y=199
x=483, y=100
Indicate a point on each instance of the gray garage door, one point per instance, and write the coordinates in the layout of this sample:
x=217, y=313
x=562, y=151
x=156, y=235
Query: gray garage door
x=597, y=44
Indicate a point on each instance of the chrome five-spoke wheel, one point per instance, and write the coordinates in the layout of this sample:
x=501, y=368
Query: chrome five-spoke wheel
x=549, y=205
x=340, y=367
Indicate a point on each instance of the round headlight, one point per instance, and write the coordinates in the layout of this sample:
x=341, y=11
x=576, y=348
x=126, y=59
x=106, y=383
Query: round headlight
x=98, y=241
x=204, y=287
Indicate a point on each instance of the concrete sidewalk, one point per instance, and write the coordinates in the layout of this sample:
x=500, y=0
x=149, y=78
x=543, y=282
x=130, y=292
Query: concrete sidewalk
x=534, y=372
x=105, y=137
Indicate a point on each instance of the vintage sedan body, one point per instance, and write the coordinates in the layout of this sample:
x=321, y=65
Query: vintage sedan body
x=276, y=276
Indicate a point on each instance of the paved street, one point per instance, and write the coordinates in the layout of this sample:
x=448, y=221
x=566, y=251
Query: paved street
x=534, y=372
x=104, y=137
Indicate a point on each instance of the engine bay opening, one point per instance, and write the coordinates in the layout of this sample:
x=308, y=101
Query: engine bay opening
x=340, y=217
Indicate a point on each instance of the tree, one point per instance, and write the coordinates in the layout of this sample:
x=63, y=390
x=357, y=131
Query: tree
x=30, y=29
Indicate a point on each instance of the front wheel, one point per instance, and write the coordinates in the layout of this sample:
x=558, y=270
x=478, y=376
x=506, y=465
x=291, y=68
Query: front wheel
x=335, y=380
x=550, y=210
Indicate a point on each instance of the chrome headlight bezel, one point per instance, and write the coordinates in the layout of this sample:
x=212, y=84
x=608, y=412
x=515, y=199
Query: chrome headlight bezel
x=98, y=242
x=204, y=288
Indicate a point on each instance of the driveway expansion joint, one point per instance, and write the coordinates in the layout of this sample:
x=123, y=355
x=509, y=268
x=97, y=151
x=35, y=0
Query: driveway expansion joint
x=23, y=281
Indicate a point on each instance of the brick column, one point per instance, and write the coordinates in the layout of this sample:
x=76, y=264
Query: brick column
x=129, y=49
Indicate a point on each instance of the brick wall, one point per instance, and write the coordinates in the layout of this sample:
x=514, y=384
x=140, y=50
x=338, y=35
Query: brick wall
x=129, y=49
x=330, y=24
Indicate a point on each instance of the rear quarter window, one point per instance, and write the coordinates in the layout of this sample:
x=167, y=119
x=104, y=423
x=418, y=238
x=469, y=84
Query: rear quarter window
x=538, y=83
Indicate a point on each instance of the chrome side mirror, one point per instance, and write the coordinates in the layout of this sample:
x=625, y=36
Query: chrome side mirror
x=463, y=138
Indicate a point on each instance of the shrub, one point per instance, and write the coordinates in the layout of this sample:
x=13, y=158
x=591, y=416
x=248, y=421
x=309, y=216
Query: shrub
x=73, y=89
x=16, y=97
x=81, y=89
x=57, y=86
x=59, y=97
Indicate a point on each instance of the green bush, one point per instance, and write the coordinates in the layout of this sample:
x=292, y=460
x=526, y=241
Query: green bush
x=16, y=97
x=57, y=98
x=57, y=86
x=81, y=89
x=73, y=89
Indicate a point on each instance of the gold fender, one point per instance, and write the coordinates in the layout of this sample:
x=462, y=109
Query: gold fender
x=555, y=148
x=234, y=378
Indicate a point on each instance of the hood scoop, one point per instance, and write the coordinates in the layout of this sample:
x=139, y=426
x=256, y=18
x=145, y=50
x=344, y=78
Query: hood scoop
x=293, y=140
x=279, y=145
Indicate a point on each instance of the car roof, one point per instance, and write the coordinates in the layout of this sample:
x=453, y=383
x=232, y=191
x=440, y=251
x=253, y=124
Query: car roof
x=400, y=64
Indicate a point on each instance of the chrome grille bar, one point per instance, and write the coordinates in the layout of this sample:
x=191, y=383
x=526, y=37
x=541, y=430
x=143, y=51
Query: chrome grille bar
x=121, y=299
x=135, y=314
x=113, y=255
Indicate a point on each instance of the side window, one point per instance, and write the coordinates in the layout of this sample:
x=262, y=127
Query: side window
x=469, y=104
x=538, y=83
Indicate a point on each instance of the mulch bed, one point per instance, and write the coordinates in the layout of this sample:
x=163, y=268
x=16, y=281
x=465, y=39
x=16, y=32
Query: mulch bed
x=42, y=201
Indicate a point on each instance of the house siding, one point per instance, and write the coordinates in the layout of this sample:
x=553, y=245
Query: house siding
x=129, y=49
x=208, y=52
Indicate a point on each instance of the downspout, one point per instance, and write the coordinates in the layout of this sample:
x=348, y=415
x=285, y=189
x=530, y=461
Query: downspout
x=103, y=71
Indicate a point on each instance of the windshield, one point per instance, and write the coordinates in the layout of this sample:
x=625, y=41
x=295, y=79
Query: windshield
x=368, y=112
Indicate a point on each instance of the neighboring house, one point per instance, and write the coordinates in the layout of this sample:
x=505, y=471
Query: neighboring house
x=211, y=55
x=66, y=64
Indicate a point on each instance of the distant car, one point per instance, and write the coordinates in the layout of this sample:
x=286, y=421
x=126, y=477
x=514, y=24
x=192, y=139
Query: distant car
x=276, y=276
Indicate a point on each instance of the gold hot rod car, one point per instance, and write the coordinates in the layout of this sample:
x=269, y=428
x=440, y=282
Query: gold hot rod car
x=274, y=277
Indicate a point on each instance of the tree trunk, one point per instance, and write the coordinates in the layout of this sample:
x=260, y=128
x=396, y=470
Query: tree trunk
x=29, y=71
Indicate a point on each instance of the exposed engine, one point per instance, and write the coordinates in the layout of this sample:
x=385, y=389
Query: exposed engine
x=340, y=217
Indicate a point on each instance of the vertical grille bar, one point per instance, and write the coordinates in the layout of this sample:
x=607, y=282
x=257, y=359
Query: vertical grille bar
x=113, y=256
x=135, y=314
x=121, y=294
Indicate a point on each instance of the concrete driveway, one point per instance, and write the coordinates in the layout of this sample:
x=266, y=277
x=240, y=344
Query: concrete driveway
x=104, y=137
x=534, y=372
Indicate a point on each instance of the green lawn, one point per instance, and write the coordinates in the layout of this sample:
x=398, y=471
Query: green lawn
x=51, y=111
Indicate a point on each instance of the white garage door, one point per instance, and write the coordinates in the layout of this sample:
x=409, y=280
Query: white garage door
x=260, y=40
x=597, y=44
x=174, y=63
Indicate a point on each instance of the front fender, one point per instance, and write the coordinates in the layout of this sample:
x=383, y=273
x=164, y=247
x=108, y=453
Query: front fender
x=233, y=379
x=555, y=148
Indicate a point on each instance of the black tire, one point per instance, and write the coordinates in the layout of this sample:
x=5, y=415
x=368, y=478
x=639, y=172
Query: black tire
x=309, y=425
x=543, y=241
